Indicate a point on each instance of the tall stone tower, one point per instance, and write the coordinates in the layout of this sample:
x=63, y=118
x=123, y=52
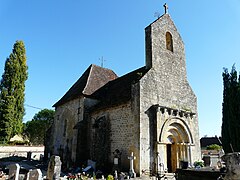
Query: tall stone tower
x=167, y=101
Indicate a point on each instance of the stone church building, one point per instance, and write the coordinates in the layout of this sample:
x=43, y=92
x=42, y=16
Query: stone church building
x=151, y=111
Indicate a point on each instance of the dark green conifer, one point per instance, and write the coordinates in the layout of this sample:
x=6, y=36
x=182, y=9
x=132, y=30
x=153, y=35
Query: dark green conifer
x=231, y=111
x=12, y=88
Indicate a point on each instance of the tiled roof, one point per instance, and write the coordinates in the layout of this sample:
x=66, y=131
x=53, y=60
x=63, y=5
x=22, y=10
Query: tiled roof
x=118, y=90
x=206, y=141
x=91, y=80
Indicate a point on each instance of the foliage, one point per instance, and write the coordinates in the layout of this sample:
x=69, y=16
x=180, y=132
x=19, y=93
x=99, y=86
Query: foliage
x=37, y=127
x=231, y=111
x=12, y=95
x=199, y=163
x=110, y=177
x=214, y=147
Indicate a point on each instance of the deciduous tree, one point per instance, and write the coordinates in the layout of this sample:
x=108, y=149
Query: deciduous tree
x=37, y=127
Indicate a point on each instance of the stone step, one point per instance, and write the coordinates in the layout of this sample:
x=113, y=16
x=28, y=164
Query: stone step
x=169, y=176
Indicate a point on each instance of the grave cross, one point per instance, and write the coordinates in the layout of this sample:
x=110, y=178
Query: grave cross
x=131, y=171
x=165, y=8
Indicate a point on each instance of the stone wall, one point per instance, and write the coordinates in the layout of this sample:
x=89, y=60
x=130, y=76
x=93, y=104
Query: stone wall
x=165, y=84
x=183, y=174
x=65, y=136
x=124, y=132
x=7, y=151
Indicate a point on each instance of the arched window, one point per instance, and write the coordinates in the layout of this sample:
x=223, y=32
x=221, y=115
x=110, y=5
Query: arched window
x=169, y=41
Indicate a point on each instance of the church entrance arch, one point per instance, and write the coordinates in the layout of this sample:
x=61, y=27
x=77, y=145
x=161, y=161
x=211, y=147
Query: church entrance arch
x=177, y=138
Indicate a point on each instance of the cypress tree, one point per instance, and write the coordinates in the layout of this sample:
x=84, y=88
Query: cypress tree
x=12, y=88
x=231, y=114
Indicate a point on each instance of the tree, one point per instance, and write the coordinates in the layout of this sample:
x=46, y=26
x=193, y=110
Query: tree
x=231, y=111
x=12, y=88
x=37, y=127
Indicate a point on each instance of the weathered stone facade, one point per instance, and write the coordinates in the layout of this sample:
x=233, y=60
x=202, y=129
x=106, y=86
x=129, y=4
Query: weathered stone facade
x=151, y=111
x=65, y=136
x=165, y=89
x=124, y=131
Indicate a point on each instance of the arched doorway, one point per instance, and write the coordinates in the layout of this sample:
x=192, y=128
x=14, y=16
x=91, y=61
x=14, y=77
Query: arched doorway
x=177, y=138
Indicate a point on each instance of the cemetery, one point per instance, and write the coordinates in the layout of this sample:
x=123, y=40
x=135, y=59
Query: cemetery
x=142, y=125
x=228, y=169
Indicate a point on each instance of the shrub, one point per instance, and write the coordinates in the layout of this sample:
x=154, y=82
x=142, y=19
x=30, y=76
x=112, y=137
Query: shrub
x=199, y=163
x=214, y=147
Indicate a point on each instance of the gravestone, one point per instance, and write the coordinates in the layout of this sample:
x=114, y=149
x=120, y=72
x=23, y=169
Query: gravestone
x=232, y=161
x=13, y=171
x=207, y=160
x=92, y=164
x=117, y=160
x=54, y=168
x=35, y=174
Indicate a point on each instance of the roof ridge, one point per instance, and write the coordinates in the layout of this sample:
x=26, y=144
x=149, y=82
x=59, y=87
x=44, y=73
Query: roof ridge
x=90, y=71
x=102, y=67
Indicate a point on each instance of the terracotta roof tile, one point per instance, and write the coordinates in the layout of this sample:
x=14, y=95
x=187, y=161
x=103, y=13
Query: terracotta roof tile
x=118, y=90
x=91, y=80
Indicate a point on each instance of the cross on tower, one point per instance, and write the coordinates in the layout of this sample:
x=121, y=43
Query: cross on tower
x=165, y=8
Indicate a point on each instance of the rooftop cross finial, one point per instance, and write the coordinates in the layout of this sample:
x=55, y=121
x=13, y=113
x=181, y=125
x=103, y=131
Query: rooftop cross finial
x=165, y=8
x=102, y=61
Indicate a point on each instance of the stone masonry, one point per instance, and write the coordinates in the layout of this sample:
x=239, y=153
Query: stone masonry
x=150, y=112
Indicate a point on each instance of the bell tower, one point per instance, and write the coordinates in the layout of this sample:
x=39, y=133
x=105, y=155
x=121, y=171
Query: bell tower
x=166, y=93
x=164, y=46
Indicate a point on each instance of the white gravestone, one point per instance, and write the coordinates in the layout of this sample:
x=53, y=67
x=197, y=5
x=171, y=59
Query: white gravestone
x=13, y=171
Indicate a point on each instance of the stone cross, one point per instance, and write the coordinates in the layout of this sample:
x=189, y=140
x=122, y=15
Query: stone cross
x=131, y=171
x=165, y=8
x=54, y=168
x=35, y=174
x=115, y=175
x=13, y=171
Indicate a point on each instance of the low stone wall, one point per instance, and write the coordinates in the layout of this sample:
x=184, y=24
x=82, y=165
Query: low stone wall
x=22, y=151
x=188, y=174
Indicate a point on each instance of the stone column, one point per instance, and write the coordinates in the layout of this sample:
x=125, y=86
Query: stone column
x=190, y=155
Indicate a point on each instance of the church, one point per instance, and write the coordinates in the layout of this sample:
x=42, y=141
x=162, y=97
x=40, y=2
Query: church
x=150, y=112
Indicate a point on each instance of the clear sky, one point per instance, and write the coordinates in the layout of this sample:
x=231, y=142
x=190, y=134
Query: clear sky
x=63, y=38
